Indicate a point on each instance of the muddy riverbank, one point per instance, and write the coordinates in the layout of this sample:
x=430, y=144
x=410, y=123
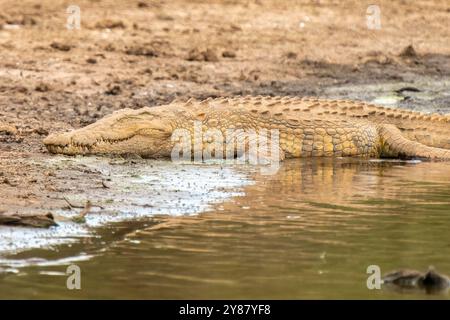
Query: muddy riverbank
x=149, y=52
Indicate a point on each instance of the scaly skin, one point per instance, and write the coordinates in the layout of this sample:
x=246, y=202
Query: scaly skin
x=308, y=127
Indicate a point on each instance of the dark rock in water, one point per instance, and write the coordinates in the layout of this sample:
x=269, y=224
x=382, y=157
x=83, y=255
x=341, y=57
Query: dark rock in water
x=403, y=278
x=36, y=221
x=434, y=280
x=430, y=281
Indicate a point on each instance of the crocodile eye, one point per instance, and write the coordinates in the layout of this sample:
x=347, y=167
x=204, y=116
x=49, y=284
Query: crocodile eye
x=210, y=139
x=127, y=118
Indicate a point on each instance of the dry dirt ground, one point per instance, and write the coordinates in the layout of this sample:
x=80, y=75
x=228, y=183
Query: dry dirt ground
x=147, y=52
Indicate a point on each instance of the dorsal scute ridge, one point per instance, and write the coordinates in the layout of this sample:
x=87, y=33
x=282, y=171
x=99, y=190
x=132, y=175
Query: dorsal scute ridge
x=341, y=107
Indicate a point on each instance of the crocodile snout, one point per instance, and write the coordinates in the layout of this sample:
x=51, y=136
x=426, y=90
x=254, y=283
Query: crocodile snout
x=58, y=139
x=68, y=143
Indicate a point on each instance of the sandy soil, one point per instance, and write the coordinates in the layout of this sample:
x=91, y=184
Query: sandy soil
x=144, y=53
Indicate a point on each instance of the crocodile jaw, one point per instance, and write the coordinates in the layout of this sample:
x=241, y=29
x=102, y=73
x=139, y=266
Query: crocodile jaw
x=72, y=143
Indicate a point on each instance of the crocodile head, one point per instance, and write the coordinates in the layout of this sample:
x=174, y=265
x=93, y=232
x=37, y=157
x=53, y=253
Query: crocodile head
x=145, y=132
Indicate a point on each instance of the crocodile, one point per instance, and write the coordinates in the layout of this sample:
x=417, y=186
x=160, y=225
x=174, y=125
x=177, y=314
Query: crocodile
x=306, y=126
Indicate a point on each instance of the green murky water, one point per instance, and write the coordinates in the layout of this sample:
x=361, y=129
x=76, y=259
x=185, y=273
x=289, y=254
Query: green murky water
x=309, y=231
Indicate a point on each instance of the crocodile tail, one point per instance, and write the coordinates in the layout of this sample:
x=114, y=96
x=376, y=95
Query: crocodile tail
x=394, y=144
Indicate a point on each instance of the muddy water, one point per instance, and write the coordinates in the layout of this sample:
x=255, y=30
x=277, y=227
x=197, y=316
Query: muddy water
x=309, y=231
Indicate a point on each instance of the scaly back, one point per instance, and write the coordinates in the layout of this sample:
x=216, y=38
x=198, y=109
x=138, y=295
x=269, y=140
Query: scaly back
x=429, y=129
